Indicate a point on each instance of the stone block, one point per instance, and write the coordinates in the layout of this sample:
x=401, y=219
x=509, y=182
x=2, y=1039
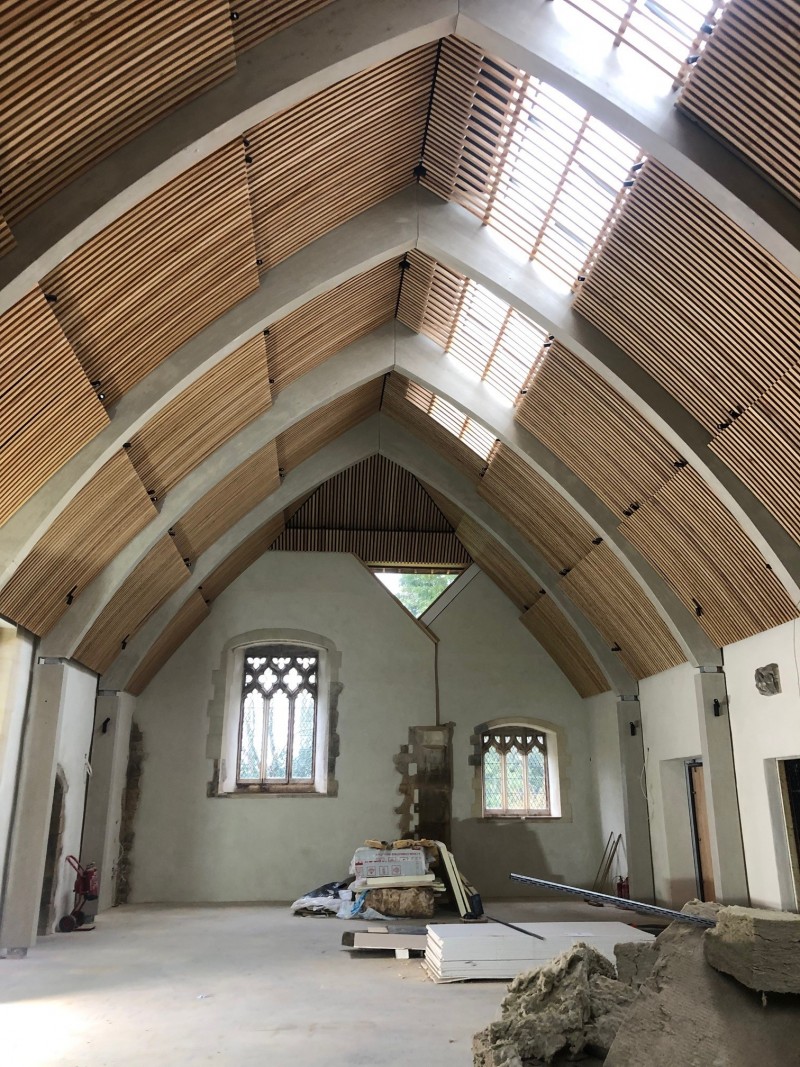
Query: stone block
x=759, y=948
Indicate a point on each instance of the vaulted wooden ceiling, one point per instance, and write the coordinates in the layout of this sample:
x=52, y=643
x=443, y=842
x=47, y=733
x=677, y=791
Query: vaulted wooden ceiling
x=647, y=529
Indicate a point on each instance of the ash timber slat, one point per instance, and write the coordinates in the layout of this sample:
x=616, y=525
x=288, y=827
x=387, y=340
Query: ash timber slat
x=318, y=329
x=379, y=548
x=611, y=599
x=536, y=509
x=230, y=500
x=258, y=19
x=597, y=433
x=48, y=409
x=431, y=297
x=79, y=79
x=762, y=447
x=562, y=642
x=103, y=517
x=498, y=564
x=702, y=552
x=185, y=622
x=148, y=585
x=201, y=418
x=452, y=512
x=241, y=558
x=333, y=155
x=326, y=424
x=427, y=429
x=7, y=241
x=746, y=87
x=693, y=298
x=154, y=278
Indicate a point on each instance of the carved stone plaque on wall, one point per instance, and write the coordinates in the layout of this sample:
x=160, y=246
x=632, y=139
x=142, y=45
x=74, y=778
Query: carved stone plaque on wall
x=768, y=680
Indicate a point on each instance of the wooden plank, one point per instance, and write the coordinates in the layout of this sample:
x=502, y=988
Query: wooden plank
x=201, y=418
x=562, y=642
x=536, y=509
x=7, y=241
x=160, y=573
x=323, y=326
x=326, y=424
x=185, y=622
x=230, y=500
x=168, y=267
x=619, y=608
x=746, y=87
x=368, y=129
x=80, y=79
x=102, y=518
x=48, y=409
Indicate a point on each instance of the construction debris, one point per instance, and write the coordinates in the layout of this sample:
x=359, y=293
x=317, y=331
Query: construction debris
x=760, y=948
x=635, y=961
x=571, y=1006
x=688, y=1013
x=404, y=903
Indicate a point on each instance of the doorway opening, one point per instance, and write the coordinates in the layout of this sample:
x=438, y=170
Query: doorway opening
x=47, y=901
x=701, y=837
x=789, y=775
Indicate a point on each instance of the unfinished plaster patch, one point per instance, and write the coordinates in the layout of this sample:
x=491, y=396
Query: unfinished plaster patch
x=425, y=766
x=130, y=803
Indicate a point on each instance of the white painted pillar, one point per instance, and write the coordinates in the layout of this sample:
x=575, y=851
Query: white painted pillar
x=104, y=803
x=719, y=775
x=32, y=812
x=634, y=800
x=16, y=658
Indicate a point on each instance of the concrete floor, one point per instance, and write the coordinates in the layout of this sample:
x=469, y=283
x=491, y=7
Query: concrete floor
x=239, y=985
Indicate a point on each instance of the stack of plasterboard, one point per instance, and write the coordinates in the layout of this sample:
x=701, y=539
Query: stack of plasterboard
x=455, y=952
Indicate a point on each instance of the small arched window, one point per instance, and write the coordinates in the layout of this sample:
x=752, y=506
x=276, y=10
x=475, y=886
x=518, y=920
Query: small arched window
x=519, y=771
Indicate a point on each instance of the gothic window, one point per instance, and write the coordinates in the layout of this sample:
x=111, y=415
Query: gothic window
x=278, y=722
x=516, y=777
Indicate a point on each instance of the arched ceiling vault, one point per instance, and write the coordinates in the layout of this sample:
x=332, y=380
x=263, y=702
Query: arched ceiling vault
x=214, y=298
x=375, y=435
x=346, y=37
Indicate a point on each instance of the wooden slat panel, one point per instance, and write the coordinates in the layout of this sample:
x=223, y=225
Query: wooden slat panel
x=325, y=425
x=612, y=600
x=700, y=549
x=230, y=500
x=79, y=79
x=746, y=87
x=159, y=574
x=48, y=409
x=317, y=330
x=7, y=241
x=692, y=298
x=202, y=417
x=255, y=20
x=536, y=509
x=519, y=586
x=431, y=297
x=427, y=429
x=103, y=517
x=185, y=622
x=153, y=279
x=379, y=548
x=337, y=153
x=564, y=645
x=241, y=558
x=762, y=447
x=597, y=433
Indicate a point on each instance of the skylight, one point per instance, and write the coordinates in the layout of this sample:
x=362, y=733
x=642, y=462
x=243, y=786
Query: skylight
x=668, y=33
x=495, y=342
x=465, y=429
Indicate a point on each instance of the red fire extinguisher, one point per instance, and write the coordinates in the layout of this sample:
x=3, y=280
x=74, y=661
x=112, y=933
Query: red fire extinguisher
x=623, y=889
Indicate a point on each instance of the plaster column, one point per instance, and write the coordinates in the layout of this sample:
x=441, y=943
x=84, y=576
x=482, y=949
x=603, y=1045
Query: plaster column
x=32, y=813
x=719, y=775
x=107, y=784
x=634, y=799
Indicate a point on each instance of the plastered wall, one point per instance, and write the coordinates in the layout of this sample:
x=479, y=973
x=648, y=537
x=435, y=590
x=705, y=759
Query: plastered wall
x=16, y=655
x=764, y=729
x=671, y=736
x=606, y=772
x=191, y=847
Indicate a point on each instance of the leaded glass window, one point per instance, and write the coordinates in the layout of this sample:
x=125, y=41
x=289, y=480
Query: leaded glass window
x=277, y=733
x=515, y=772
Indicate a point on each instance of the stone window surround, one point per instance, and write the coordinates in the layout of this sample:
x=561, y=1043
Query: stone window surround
x=226, y=697
x=558, y=764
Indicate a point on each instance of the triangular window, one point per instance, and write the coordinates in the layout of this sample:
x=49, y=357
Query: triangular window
x=416, y=590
